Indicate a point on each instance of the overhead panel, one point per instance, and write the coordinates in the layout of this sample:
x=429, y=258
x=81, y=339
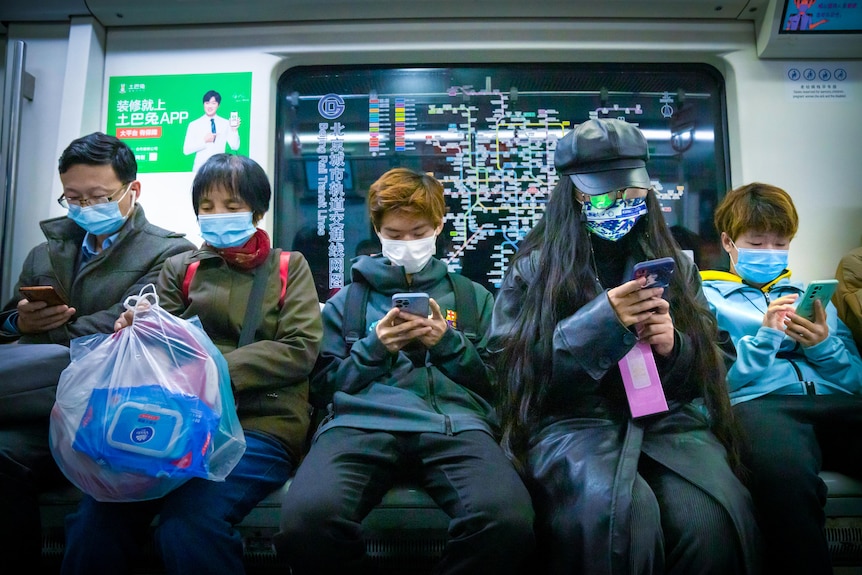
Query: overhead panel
x=42, y=10
x=166, y=12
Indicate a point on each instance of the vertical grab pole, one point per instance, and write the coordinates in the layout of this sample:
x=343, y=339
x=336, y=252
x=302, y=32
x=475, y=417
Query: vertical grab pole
x=22, y=86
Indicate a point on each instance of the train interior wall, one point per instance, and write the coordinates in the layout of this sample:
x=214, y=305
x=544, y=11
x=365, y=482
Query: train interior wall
x=810, y=148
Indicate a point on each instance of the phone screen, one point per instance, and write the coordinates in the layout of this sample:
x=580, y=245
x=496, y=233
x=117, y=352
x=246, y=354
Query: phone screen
x=657, y=272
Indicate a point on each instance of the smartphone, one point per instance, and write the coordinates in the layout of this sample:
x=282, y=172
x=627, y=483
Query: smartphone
x=46, y=294
x=657, y=272
x=822, y=290
x=234, y=119
x=415, y=303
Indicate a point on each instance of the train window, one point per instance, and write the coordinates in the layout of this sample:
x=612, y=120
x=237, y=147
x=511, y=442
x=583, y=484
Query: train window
x=488, y=133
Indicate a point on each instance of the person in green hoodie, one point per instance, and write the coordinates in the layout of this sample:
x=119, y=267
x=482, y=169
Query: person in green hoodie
x=411, y=395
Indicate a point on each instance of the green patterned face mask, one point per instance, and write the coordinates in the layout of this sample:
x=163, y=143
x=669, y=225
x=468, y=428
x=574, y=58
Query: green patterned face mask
x=615, y=221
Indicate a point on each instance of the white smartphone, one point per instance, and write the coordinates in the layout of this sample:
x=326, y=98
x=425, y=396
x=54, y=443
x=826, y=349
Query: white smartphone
x=234, y=119
x=817, y=290
x=415, y=303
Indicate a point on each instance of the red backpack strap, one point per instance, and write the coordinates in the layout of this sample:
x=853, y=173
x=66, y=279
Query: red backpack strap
x=282, y=272
x=187, y=281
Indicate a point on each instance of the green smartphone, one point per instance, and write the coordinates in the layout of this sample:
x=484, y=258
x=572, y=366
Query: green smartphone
x=817, y=290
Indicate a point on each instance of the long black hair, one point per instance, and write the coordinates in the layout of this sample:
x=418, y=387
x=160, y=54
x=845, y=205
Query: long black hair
x=564, y=282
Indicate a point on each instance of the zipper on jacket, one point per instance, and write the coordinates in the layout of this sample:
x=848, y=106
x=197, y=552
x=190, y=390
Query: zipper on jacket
x=330, y=414
x=807, y=385
x=447, y=421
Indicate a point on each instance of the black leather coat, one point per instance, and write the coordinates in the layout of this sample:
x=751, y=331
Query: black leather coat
x=584, y=452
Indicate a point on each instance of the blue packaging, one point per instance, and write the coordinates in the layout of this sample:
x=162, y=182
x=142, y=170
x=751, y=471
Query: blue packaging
x=147, y=429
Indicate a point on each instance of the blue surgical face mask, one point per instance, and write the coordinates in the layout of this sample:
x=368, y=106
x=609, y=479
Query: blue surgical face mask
x=616, y=221
x=759, y=266
x=100, y=219
x=226, y=230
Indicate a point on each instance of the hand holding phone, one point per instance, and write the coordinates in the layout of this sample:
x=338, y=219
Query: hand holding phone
x=415, y=303
x=817, y=290
x=657, y=272
x=46, y=294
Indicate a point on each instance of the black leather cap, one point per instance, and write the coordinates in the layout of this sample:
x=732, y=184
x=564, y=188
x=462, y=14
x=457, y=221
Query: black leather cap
x=603, y=155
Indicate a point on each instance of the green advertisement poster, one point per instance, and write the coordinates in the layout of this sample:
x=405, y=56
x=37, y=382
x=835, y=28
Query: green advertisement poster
x=174, y=123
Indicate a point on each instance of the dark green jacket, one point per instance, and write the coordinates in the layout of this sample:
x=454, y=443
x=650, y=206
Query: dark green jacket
x=269, y=375
x=97, y=293
x=445, y=389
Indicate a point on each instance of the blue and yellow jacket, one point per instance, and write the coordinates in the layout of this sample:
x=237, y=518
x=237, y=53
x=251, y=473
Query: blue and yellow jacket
x=762, y=360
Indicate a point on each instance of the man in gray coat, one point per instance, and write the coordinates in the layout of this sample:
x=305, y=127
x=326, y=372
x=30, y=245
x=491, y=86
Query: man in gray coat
x=103, y=251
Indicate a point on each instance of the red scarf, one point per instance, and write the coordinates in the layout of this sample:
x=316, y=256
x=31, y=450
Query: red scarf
x=249, y=255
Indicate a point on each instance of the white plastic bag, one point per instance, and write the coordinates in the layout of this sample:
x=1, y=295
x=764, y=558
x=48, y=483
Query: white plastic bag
x=141, y=411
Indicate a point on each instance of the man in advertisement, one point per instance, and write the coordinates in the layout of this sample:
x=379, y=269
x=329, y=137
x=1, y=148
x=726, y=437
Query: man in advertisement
x=211, y=134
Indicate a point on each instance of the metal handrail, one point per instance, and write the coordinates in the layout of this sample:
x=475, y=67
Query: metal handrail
x=22, y=86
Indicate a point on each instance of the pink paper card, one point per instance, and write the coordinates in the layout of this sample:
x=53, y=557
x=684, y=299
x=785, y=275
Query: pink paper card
x=641, y=381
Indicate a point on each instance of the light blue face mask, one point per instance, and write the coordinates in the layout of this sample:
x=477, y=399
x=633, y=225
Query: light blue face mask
x=100, y=219
x=226, y=230
x=759, y=266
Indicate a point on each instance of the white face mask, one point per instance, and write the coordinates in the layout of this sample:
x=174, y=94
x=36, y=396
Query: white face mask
x=412, y=254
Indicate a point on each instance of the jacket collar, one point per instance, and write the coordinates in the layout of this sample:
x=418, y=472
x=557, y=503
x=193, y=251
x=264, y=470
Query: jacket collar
x=389, y=279
x=729, y=282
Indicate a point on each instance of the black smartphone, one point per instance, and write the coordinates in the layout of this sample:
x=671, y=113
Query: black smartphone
x=657, y=272
x=46, y=294
x=415, y=303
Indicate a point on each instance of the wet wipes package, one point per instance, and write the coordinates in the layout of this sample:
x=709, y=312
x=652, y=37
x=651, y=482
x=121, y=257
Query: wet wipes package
x=147, y=429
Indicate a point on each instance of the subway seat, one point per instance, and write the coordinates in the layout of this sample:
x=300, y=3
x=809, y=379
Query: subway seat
x=844, y=518
x=406, y=532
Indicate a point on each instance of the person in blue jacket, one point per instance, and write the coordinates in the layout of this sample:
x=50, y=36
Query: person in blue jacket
x=795, y=384
x=412, y=396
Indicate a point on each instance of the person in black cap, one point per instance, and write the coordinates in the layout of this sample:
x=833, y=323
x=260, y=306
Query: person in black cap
x=621, y=480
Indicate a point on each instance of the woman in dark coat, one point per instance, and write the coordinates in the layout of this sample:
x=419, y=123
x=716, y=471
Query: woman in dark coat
x=615, y=493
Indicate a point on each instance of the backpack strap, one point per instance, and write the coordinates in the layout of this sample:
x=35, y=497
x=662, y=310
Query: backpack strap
x=465, y=305
x=253, y=308
x=187, y=280
x=284, y=263
x=353, y=322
